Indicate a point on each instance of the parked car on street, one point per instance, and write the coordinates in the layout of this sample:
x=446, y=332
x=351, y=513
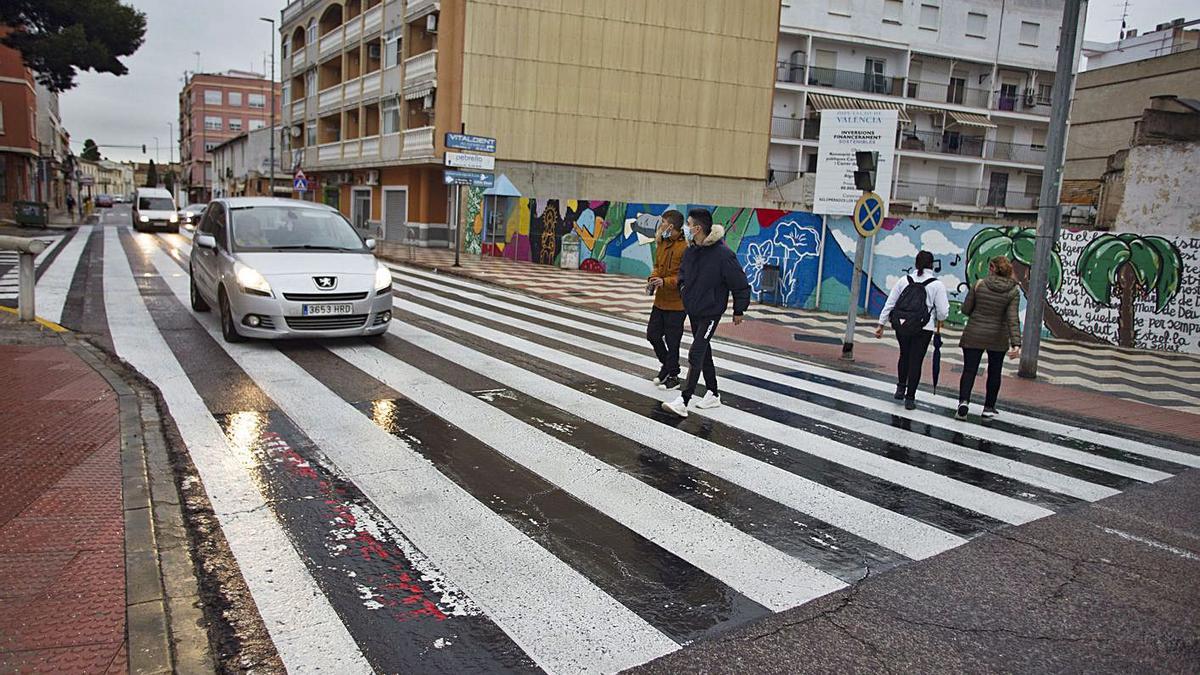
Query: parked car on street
x=282, y=268
x=190, y=215
x=154, y=208
x=104, y=201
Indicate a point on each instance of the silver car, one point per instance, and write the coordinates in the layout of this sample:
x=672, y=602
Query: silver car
x=280, y=268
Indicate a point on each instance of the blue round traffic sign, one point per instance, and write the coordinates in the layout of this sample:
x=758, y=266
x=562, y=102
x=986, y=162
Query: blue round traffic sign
x=868, y=214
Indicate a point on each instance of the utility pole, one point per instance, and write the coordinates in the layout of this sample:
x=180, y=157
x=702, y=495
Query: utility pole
x=273, y=36
x=1049, y=210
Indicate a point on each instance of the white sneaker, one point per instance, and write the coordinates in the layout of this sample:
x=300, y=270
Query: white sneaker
x=657, y=379
x=989, y=413
x=677, y=406
x=710, y=400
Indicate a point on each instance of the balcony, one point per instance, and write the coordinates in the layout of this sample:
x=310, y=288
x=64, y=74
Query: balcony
x=329, y=98
x=949, y=143
x=1015, y=152
x=420, y=71
x=943, y=194
x=354, y=29
x=298, y=110
x=351, y=149
x=782, y=175
x=418, y=143
x=418, y=9
x=855, y=81
x=332, y=41
x=371, y=84
x=947, y=93
x=786, y=71
x=296, y=8
x=373, y=20
x=352, y=89
x=299, y=57
x=330, y=152
x=370, y=147
x=1028, y=103
x=785, y=127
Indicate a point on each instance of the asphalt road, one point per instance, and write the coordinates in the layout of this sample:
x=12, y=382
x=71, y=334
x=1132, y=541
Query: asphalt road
x=492, y=487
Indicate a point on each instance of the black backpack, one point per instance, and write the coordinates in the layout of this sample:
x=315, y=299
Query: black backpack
x=911, y=313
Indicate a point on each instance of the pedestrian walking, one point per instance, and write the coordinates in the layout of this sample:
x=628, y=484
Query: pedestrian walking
x=71, y=207
x=708, y=275
x=665, y=328
x=916, y=307
x=993, y=327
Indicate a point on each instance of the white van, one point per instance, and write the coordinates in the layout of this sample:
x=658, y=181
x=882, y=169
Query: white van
x=154, y=208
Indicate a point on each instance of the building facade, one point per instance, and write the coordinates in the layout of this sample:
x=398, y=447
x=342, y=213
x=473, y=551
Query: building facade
x=971, y=80
x=56, y=168
x=242, y=167
x=19, y=146
x=372, y=87
x=1168, y=38
x=214, y=108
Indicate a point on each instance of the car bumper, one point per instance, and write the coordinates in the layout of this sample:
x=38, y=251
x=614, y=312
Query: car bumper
x=158, y=225
x=283, y=319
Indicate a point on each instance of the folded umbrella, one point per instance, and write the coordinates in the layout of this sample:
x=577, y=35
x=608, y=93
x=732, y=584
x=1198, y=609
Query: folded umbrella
x=937, y=359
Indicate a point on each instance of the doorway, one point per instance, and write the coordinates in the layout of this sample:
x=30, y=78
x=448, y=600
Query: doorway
x=998, y=190
x=360, y=208
x=395, y=213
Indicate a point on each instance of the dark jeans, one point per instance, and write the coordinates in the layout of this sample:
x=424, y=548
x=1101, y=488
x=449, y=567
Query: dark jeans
x=971, y=359
x=664, y=331
x=700, y=360
x=912, y=358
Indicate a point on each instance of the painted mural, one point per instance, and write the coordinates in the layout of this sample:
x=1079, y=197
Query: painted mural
x=1119, y=289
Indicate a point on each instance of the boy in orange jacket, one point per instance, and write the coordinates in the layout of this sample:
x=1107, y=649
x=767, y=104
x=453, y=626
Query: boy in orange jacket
x=665, y=328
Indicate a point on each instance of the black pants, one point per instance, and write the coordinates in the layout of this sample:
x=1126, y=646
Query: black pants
x=971, y=359
x=700, y=360
x=664, y=331
x=912, y=358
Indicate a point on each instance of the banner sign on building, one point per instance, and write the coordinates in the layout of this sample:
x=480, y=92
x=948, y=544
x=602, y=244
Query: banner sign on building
x=842, y=133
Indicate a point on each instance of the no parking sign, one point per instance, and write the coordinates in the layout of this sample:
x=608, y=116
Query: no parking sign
x=868, y=214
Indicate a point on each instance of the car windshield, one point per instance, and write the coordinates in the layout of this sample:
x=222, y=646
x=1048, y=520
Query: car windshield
x=196, y=208
x=155, y=204
x=290, y=228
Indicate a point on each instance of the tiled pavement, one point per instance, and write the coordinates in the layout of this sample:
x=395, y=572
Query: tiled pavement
x=1086, y=378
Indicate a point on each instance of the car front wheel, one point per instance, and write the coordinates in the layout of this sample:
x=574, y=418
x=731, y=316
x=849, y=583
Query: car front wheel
x=228, y=326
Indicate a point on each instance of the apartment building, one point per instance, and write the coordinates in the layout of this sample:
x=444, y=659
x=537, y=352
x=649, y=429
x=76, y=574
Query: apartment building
x=19, y=148
x=213, y=108
x=56, y=168
x=971, y=80
x=1172, y=37
x=638, y=101
x=242, y=167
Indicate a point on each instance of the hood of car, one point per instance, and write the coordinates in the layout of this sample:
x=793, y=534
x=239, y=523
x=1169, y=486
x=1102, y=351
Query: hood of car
x=157, y=215
x=295, y=263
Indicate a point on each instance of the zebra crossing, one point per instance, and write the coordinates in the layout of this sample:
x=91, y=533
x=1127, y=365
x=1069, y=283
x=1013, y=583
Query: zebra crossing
x=491, y=486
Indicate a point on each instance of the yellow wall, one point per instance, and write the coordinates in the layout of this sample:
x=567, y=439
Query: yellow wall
x=680, y=86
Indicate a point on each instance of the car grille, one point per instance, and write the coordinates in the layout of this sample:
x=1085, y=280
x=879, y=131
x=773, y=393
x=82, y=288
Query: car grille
x=381, y=318
x=266, y=322
x=326, y=322
x=324, y=297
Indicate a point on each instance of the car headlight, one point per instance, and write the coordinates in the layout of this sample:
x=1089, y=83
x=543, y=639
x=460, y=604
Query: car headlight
x=251, y=281
x=383, y=279
x=174, y=217
x=144, y=219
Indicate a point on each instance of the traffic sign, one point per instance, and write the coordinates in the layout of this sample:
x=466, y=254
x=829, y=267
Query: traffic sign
x=463, y=160
x=472, y=178
x=868, y=214
x=474, y=143
x=300, y=183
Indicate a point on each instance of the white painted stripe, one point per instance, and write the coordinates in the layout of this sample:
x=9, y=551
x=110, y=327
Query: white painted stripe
x=306, y=630
x=868, y=403
x=754, y=569
x=562, y=620
x=899, y=533
x=55, y=284
x=947, y=403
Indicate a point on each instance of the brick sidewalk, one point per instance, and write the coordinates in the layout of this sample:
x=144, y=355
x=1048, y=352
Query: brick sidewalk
x=617, y=294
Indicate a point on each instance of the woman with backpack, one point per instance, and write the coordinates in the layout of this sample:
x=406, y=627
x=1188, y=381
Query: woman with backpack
x=992, y=326
x=916, y=307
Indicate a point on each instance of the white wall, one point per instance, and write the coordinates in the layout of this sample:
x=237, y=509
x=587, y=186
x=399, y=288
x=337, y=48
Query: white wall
x=1162, y=190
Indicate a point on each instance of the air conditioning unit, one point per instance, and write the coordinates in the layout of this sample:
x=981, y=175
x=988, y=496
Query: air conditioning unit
x=373, y=50
x=1030, y=98
x=431, y=23
x=427, y=103
x=372, y=177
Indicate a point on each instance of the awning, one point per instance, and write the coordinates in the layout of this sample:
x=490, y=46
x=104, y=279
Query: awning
x=970, y=119
x=420, y=92
x=831, y=102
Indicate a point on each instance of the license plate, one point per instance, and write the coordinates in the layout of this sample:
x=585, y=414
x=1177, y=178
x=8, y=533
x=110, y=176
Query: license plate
x=328, y=310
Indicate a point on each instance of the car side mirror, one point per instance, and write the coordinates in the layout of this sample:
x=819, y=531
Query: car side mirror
x=206, y=241
x=371, y=244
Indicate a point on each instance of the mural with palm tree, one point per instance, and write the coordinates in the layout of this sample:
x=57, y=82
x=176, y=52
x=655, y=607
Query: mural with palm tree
x=1018, y=243
x=1134, y=266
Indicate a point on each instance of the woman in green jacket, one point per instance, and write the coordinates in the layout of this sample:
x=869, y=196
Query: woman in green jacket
x=992, y=326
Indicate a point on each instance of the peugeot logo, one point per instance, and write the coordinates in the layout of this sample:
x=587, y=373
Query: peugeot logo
x=326, y=283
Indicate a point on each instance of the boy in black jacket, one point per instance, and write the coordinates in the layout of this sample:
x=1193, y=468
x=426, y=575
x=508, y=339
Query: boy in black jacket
x=709, y=273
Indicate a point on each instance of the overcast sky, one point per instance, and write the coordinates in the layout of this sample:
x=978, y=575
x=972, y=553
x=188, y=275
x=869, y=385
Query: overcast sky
x=133, y=109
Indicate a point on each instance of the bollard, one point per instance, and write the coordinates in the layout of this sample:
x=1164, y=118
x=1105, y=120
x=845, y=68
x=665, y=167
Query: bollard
x=28, y=250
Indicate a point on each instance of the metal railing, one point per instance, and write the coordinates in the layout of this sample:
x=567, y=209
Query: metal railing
x=855, y=81
x=1015, y=152
x=942, y=193
x=786, y=71
x=943, y=143
x=780, y=176
x=786, y=127
x=941, y=92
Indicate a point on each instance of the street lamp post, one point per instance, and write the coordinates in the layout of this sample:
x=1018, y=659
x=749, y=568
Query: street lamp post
x=273, y=36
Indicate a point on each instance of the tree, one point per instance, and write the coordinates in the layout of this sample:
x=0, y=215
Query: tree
x=169, y=180
x=57, y=38
x=152, y=175
x=91, y=151
x=1134, y=266
x=1017, y=244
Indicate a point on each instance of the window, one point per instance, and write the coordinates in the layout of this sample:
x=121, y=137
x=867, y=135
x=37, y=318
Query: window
x=893, y=10
x=255, y=125
x=209, y=146
x=1, y=118
x=213, y=124
x=235, y=99
x=839, y=7
x=391, y=48
x=212, y=97
x=283, y=50
x=310, y=83
x=1039, y=139
x=235, y=124
x=1043, y=93
x=1029, y=33
x=310, y=138
x=976, y=25
x=956, y=90
x=1033, y=186
x=286, y=92
x=312, y=32
x=930, y=17
x=390, y=116
x=258, y=101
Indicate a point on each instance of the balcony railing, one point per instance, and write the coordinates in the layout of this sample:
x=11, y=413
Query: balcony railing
x=354, y=29
x=943, y=143
x=352, y=89
x=1013, y=200
x=947, y=93
x=782, y=176
x=373, y=20
x=328, y=98
x=370, y=83
x=298, y=110
x=786, y=71
x=418, y=143
x=295, y=8
x=785, y=127
x=332, y=40
x=351, y=149
x=942, y=193
x=298, y=57
x=1014, y=152
x=855, y=81
x=329, y=152
x=420, y=70
x=1022, y=103
x=420, y=8
x=370, y=146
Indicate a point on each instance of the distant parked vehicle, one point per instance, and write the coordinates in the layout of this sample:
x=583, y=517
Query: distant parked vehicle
x=119, y=199
x=154, y=208
x=189, y=216
x=104, y=201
